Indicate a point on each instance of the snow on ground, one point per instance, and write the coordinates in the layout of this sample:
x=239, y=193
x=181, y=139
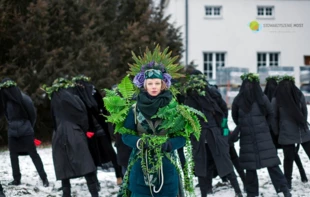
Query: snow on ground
x=32, y=185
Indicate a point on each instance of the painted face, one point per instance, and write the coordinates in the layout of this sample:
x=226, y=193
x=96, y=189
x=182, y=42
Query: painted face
x=153, y=86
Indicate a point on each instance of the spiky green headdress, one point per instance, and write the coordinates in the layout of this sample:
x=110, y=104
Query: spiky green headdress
x=250, y=76
x=287, y=77
x=8, y=83
x=154, y=64
x=57, y=84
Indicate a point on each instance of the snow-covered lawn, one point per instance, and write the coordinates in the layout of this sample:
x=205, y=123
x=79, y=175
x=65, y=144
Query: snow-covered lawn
x=32, y=185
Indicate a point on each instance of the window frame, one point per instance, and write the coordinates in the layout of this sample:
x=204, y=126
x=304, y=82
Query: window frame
x=269, y=59
x=214, y=62
x=212, y=14
x=264, y=12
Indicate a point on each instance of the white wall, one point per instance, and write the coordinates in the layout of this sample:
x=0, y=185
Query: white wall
x=231, y=33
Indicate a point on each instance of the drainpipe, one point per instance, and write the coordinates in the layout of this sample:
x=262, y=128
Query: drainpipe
x=186, y=33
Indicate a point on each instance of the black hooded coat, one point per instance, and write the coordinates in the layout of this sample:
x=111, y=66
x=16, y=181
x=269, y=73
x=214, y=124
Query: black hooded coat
x=71, y=155
x=214, y=108
x=96, y=122
x=20, y=114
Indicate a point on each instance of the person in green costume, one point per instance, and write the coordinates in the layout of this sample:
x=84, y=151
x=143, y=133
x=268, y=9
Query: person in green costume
x=154, y=96
x=154, y=125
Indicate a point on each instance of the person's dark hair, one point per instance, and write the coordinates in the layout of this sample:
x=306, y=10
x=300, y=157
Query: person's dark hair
x=270, y=88
x=289, y=98
x=250, y=92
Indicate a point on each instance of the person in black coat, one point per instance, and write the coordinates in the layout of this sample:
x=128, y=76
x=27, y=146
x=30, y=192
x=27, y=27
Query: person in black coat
x=20, y=113
x=100, y=145
x=123, y=152
x=212, y=150
x=71, y=155
x=291, y=122
x=269, y=91
x=1, y=191
x=252, y=114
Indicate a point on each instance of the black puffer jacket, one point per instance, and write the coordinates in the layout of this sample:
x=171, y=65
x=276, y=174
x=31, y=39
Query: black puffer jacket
x=256, y=146
x=288, y=130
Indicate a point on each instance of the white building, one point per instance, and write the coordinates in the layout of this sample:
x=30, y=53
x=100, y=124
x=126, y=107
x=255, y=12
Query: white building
x=219, y=33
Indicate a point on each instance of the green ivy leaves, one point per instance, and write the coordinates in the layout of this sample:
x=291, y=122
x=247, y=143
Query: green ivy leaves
x=8, y=83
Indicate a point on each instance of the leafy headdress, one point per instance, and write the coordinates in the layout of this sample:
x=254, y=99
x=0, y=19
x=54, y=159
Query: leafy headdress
x=178, y=120
x=276, y=78
x=196, y=83
x=287, y=77
x=252, y=77
x=156, y=64
x=57, y=85
x=80, y=78
x=7, y=84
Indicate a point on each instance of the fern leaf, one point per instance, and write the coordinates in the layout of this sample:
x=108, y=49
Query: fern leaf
x=109, y=93
x=114, y=104
x=195, y=111
x=126, y=88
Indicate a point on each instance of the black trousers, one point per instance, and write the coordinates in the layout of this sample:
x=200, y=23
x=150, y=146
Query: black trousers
x=289, y=157
x=27, y=144
x=1, y=189
x=36, y=159
x=235, y=160
x=205, y=183
x=91, y=179
x=277, y=178
x=106, y=144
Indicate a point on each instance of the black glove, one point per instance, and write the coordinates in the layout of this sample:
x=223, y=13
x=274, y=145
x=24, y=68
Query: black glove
x=166, y=147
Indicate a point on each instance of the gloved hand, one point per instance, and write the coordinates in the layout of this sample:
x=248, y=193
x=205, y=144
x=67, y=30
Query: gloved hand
x=166, y=147
x=224, y=126
x=90, y=134
x=37, y=142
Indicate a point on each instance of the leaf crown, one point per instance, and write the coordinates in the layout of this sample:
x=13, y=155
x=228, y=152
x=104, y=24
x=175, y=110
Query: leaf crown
x=80, y=78
x=287, y=77
x=252, y=77
x=7, y=84
x=196, y=83
x=276, y=77
x=58, y=84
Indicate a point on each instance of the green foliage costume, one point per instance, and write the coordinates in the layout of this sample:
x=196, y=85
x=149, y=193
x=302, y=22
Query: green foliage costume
x=154, y=127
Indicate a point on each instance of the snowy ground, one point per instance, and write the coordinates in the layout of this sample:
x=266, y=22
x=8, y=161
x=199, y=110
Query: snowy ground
x=32, y=185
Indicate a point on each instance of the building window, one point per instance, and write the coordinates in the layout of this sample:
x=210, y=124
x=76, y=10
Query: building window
x=307, y=60
x=267, y=59
x=265, y=11
x=212, y=61
x=213, y=11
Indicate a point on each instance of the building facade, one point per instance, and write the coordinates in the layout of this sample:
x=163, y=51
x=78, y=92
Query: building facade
x=253, y=34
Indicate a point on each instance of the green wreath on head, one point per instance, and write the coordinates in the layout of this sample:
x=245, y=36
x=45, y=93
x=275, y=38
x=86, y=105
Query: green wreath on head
x=80, y=77
x=57, y=84
x=178, y=120
x=287, y=77
x=276, y=77
x=250, y=76
x=196, y=83
x=7, y=84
